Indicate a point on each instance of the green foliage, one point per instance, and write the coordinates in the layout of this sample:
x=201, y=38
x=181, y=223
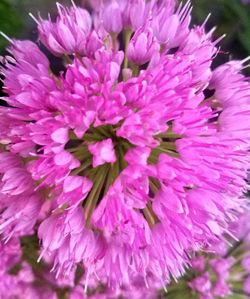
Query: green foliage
x=230, y=17
x=10, y=21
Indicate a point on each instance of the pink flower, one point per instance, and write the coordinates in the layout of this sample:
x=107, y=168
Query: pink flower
x=103, y=152
x=202, y=284
x=10, y=254
x=134, y=13
x=30, y=80
x=171, y=28
x=246, y=285
x=124, y=170
x=77, y=293
x=222, y=266
x=222, y=288
x=246, y=263
x=20, y=205
x=206, y=296
x=68, y=34
x=142, y=46
x=228, y=77
x=114, y=24
x=198, y=263
x=74, y=190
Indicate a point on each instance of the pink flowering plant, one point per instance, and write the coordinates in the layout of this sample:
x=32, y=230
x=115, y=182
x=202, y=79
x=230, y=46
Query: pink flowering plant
x=119, y=169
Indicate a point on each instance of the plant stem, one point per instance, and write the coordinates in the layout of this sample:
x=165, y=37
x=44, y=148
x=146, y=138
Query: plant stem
x=93, y=197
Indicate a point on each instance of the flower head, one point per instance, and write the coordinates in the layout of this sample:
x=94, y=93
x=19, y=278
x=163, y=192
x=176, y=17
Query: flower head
x=139, y=171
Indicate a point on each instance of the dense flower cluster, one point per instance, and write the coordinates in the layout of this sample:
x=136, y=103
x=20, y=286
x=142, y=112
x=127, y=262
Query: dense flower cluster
x=220, y=272
x=203, y=285
x=135, y=154
x=225, y=271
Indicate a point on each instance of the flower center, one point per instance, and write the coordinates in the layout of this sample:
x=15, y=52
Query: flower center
x=102, y=175
x=105, y=173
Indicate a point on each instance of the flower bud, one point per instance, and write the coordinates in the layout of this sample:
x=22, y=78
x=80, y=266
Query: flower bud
x=68, y=34
x=112, y=18
x=142, y=47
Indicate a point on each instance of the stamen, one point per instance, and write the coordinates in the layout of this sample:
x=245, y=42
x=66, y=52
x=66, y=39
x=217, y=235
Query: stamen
x=33, y=18
x=207, y=18
x=245, y=60
x=6, y=37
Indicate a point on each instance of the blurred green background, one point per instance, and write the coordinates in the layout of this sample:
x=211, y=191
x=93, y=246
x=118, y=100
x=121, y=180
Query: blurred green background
x=230, y=16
